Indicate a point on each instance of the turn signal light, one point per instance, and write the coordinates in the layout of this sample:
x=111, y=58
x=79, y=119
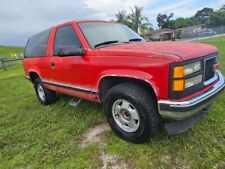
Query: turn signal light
x=178, y=85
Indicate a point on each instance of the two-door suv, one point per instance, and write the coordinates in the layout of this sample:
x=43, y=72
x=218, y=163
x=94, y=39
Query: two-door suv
x=141, y=84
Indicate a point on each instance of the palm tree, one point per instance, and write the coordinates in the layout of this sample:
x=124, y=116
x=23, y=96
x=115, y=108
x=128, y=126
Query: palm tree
x=121, y=17
x=138, y=22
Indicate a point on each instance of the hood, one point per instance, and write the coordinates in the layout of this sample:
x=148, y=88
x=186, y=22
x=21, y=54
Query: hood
x=168, y=50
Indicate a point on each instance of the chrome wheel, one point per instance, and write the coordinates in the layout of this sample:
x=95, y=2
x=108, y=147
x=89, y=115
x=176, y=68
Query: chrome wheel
x=41, y=92
x=125, y=115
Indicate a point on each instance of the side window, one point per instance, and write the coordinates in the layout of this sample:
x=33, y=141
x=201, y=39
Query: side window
x=65, y=36
x=37, y=45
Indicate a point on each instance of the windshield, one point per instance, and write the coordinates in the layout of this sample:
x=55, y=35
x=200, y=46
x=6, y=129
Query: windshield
x=105, y=33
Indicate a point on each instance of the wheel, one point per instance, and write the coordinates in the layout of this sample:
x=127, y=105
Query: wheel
x=44, y=95
x=131, y=112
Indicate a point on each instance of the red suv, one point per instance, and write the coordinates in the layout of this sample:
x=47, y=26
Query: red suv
x=141, y=84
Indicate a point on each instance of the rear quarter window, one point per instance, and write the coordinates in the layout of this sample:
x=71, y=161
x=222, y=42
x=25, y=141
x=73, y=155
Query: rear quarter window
x=37, y=45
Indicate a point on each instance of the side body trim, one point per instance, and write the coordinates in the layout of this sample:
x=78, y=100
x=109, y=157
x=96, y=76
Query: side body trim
x=71, y=87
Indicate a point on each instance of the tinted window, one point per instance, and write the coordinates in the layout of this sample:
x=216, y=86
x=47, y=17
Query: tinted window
x=65, y=36
x=37, y=44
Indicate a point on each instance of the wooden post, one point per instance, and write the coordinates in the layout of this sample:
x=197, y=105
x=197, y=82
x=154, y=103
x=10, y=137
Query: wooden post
x=3, y=64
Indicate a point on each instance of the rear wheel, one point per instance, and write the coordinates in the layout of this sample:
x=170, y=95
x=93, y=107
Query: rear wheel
x=44, y=95
x=131, y=112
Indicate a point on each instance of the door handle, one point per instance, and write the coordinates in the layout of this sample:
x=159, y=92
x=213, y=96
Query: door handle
x=52, y=64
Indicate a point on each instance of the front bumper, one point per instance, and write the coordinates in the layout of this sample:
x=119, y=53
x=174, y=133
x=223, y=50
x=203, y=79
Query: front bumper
x=181, y=110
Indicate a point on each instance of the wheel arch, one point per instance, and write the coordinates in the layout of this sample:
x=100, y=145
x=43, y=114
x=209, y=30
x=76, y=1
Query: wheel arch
x=33, y=75
x=106, y=82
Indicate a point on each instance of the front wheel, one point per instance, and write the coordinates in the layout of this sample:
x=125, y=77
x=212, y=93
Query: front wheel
x=131, y=112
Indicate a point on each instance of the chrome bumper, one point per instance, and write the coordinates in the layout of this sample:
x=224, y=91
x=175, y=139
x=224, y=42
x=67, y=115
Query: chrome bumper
x=175, y=110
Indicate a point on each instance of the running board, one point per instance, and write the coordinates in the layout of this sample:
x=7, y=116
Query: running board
x=74, y=102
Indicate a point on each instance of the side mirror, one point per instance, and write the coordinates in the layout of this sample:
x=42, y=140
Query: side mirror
x=71, y=51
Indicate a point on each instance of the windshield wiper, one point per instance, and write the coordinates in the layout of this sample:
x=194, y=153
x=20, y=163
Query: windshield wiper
x=106, y=43
x=135, y=40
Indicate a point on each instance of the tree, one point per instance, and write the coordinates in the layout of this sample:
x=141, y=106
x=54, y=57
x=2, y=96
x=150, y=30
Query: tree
x=163, y=20
x=181, y=22
x=138, y=22
x=203, y=15
x=145, y=28
x=192, y=21
x=121, y=17
x=171, y=24
x=134, y=20
x=216, y=19
x=184, y=22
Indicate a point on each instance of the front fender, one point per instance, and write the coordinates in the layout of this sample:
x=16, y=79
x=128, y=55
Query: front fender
x=134, y=74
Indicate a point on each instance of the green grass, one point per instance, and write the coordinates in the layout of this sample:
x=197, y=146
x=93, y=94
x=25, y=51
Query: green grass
x=6, y=51
x=42, y=136
x=36, y=136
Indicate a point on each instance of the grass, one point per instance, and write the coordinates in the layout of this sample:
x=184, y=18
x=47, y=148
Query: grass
x=36, y=136
x=41, y=136
x=6, y=51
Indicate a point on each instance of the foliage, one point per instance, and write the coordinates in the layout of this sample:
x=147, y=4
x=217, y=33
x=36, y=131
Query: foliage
x=135, y=20
x=184, y=22
x=121, y=17
x=203, y=15
x=217, y=19
x=141, y=24
x=164, y=20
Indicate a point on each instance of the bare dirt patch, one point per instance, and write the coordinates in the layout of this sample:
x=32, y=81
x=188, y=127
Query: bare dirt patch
x=112, y=161
x=94, y=135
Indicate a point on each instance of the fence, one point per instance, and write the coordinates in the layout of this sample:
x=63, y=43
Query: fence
x=5, y=63
x=201, y=32
x=189, y=33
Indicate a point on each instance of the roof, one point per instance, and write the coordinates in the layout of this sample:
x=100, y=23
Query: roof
x=92, y=20
x=192, y=27
x=87, y=20
x=160, y=31
x=165, y=30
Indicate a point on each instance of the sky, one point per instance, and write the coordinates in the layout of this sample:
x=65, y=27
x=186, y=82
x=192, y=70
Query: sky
x=20, y=19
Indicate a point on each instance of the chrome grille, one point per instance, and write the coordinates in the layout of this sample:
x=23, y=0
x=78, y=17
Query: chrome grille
x=209, y=68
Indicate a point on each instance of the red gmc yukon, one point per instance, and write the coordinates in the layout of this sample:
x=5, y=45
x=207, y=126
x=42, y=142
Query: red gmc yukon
x=141, y=84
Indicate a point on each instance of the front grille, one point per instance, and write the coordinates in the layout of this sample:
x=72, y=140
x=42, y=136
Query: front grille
x=209, y=68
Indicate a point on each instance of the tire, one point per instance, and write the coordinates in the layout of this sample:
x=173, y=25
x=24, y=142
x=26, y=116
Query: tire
x=131, y=112
x=44, y=95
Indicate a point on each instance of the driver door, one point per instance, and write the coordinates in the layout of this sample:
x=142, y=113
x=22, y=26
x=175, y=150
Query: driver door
x=68, y=71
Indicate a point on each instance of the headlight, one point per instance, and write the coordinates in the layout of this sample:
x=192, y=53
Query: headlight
x=180, y=82
x=192, y=68
x=193, y=81
x=182, y=71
